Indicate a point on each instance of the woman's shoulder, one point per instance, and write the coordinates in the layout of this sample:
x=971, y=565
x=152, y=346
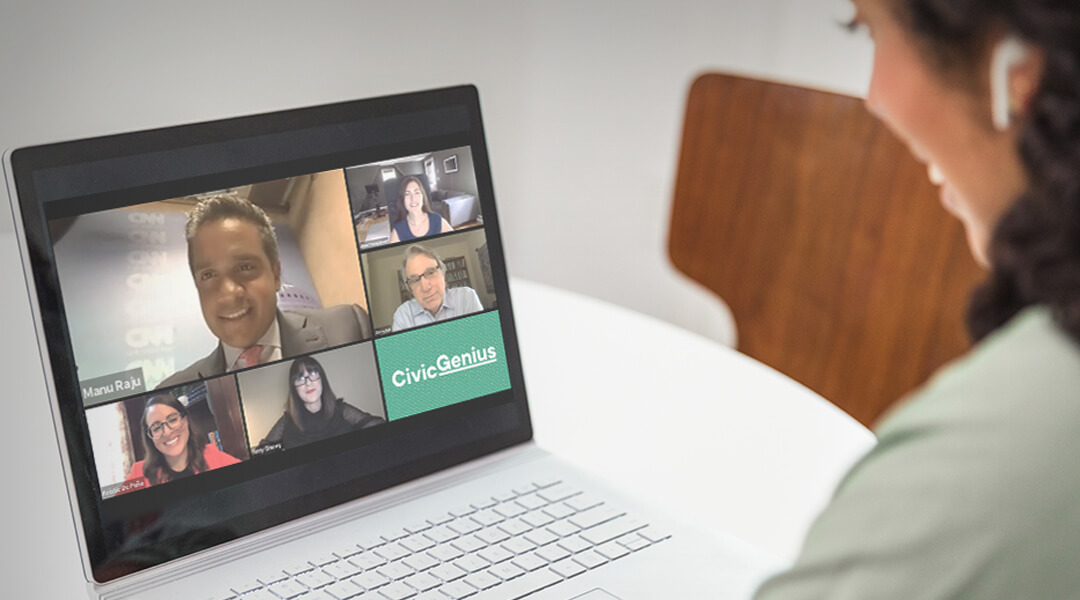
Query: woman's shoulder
x=217, y=458
x=1029, y=370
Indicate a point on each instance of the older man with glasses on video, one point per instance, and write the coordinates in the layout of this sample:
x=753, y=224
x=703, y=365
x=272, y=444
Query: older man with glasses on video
x=425, y=273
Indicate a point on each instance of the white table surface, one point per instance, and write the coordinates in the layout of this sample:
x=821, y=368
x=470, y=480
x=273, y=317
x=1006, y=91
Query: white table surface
x=691, y=426
x=685, y=423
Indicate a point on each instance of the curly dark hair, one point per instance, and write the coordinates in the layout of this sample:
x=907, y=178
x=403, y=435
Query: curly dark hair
x=1035, y=248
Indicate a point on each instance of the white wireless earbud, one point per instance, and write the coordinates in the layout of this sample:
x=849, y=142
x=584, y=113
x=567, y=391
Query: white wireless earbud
x=1008, y=53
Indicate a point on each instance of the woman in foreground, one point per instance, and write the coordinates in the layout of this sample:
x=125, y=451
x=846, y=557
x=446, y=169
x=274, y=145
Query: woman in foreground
x=972, y=491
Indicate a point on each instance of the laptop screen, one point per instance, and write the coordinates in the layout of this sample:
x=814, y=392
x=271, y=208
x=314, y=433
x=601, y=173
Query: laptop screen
x=250, y=320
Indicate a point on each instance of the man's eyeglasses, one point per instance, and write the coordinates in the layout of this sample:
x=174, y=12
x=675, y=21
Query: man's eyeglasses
x=428, y=274
x=156, y=430
x=303, y=378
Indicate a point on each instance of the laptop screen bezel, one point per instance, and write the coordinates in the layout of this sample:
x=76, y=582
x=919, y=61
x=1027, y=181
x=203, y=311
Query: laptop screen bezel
x=446, y=438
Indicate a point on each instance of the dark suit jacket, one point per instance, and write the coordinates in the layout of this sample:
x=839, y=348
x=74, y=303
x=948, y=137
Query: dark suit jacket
x=302, y=331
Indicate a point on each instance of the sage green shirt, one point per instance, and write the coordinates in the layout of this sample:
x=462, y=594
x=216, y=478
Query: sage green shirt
x=973, y=490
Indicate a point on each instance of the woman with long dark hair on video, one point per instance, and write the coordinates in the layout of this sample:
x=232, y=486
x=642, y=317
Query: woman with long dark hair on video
x=973, y=490
x=313, y=412
x=415, y=218
x=173, y=448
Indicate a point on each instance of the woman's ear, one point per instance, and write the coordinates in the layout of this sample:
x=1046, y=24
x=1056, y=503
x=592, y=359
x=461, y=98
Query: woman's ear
x=1015, y=71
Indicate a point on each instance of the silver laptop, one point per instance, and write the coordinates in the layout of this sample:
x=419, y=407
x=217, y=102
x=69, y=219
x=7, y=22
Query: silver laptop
x=282, y=363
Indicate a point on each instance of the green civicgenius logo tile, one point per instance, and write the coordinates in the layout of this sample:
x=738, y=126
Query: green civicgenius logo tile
x=441, y=365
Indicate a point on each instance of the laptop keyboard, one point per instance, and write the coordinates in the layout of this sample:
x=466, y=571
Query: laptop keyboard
x=505, y=547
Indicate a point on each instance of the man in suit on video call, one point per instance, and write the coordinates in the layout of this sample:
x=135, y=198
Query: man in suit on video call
x=233, y=256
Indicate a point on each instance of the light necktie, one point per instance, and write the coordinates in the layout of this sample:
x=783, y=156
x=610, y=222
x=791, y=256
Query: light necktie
x=251, y=356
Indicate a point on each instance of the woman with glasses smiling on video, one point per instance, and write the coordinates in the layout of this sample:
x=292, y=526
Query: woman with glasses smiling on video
x=973, y=489
x=173, y=449
x=313, y=412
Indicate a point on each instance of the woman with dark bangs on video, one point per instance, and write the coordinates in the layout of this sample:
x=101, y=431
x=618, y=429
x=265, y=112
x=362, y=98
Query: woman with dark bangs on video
x=973, y=490
x=173, y=448
x=313, y=412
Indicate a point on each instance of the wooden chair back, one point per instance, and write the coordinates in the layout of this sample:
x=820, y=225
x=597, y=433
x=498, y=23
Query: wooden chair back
x=824, y=236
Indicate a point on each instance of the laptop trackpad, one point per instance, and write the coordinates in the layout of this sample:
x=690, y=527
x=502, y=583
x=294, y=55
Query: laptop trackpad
x=596, y=594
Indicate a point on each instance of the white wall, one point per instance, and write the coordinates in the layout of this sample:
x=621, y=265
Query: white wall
x=564, y=84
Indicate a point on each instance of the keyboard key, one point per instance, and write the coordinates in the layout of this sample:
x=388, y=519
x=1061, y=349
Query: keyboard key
x=420, y=562
x=482, y=581
x=612, y=529
x=347, y=551
x=342, y=569
x=417, y=543
x=395, y=535
x=568, y=568
x=525, y=489
x=315, y=579
x=458, y=590
x=468, y=544
x=507, y=571
x=371, y=541
x=368, y=561
x=441, y=519
x=531, y=562
x=563, y=528
x=483, y=503
x=537, y=519
x=584, y=502
x=323, y=560
x=509, y=510
x=532, y=502
x=515, y=527
x=433, y=595
x=370, y=580
x=612, y=550
x=395, y=571
x=634, y=542
x=392, y=551
x=423, y=582
x=287, y=589
x=418, y=527
x=272, y=578
x=541, y=537
x=298, y=569
x=316, y=595
x=653, y=534
x=552, y=553
x=449, y=572
x=487, y=518
x=595, y=516
x=492, y=536
x=246, y=587
x=440, y=534
x=505, y=496
x=558, y=493
x=445, y=553
x=397, y=591
x=546, y=482
x=495, y=554
x=462, y=511
x=574, y=544
x=471, y=563
x=590, y=559
x=558, y=511
x=464, y=526
x=344, y=590
x=518, y=545
x=522, y=586
x=262, y=594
